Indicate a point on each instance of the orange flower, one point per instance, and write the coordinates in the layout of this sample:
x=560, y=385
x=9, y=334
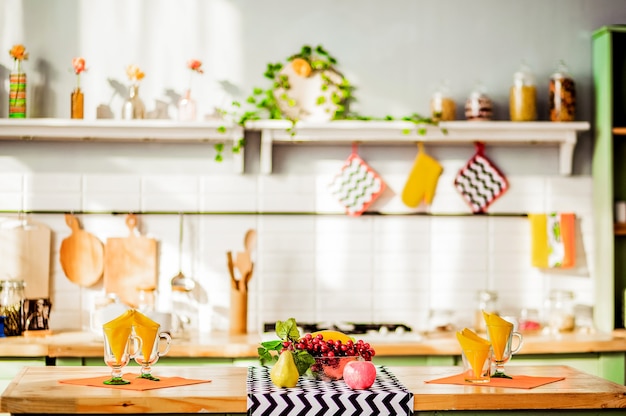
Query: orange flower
x=134, y=73
x=195, y=65
x=18, y=52
x=79, y=65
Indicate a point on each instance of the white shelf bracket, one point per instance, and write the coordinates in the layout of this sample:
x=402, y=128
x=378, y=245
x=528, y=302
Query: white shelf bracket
x=566, y=153
x=266, y=151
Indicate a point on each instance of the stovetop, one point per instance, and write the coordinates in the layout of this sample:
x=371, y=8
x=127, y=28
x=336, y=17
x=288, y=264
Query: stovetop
x=354, y=328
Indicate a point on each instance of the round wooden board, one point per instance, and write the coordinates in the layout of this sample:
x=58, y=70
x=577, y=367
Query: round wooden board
x=81, y=255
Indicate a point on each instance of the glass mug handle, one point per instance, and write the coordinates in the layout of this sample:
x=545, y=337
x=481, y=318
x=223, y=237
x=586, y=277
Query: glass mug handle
x=168, y=340
x=519, y=344
x=137, y=344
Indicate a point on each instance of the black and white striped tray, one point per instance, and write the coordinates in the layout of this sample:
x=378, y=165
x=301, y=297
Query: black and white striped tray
x=312, y=397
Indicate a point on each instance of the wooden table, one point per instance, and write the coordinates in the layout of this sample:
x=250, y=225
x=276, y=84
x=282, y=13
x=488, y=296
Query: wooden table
x=36, y=390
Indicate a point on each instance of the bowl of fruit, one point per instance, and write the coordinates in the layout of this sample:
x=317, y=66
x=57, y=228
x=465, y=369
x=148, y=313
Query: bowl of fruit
x=322, y=355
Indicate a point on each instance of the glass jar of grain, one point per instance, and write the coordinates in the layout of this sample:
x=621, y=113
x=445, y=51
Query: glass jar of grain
x=11, y=299
x=442, y=106
x=523, y=96
x=562, y=95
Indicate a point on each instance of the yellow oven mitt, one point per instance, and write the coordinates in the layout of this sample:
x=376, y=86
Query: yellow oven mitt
x=422, y=181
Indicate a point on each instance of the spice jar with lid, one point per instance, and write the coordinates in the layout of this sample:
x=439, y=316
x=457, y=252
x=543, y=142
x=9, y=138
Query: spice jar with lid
x=561, y=311
x=562, y=95
x=11, y=299
x=442, y=106
x=478, y=106
x=523, y=96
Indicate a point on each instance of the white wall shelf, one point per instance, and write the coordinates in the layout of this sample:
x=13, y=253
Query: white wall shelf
x=563, y=135
x=124, y=131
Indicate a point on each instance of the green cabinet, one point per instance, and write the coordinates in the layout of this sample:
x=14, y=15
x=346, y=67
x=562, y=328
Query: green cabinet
x=609, y=174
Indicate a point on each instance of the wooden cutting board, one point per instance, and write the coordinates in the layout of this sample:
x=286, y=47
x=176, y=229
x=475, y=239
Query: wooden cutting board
x=81, y=255
x=25, y=255
x=130, y=263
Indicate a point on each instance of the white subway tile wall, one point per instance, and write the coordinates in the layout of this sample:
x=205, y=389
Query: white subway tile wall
x=315, y=267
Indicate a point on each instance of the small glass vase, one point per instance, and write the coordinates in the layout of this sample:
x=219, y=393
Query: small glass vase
x=17, y=92
x=77, y=103
x=186, y=107
x=133, y=106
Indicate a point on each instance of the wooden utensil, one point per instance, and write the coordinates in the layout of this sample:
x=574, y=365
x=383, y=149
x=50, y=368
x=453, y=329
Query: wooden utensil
x=130, y=263
x=81, y=255
x=243, y=260
x=25, y=253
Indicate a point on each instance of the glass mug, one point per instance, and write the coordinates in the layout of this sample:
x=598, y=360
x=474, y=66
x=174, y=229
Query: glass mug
x=117, y=353
x=149, y=354
x=501, y=337
x=477, y=365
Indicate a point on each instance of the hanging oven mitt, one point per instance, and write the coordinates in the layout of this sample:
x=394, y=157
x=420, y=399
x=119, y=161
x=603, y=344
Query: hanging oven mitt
x=553, y=242
x=479, y=182
x=356, y=186
x=422, y=181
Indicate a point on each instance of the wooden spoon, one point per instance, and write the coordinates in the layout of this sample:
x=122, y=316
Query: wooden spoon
x=81, y=255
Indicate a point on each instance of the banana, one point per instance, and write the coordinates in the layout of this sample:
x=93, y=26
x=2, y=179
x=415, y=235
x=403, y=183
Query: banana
x=328, y=334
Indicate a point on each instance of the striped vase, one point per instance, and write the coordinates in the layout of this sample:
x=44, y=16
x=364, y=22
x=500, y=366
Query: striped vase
x=17, y=93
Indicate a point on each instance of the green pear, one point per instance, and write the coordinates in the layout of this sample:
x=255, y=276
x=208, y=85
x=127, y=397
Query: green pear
x=285, y=373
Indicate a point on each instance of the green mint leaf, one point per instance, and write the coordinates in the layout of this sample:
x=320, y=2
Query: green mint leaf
x=303, y=361
x=287, y=330
x=273, y=345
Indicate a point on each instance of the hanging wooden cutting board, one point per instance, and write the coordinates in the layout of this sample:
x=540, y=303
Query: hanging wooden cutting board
x=25, y=255
x=130, y=263
x=81, y=255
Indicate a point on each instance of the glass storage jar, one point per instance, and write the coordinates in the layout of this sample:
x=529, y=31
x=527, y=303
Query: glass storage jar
x=523, y=96
x=11, y=299
x=487, y=301
x=562, y=95
x=478, y=106
x=560, y=313
x=442, y=106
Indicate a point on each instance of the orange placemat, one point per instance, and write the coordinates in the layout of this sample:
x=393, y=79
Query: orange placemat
x=135, y=383
x=517, y=382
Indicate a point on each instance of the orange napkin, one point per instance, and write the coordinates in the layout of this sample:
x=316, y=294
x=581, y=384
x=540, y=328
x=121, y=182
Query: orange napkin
x=517, y=382
x=135, y=383
x=117, y=332
x=499, y=332
x=476, y=349
x=147, y=330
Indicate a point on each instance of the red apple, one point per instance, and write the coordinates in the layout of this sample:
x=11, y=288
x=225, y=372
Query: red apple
x=359, y=375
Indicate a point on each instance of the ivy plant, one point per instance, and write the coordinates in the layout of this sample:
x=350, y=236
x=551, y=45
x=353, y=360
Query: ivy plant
x=264, y=102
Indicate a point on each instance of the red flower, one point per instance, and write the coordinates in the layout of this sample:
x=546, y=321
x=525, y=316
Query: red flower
x=195, y=65
x=79, y=65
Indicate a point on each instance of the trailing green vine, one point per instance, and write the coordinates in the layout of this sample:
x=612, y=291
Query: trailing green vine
x=266, y=102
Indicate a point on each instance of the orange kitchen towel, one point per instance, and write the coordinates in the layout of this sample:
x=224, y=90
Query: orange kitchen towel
x=553, y=240
x=135, y=382
x=517, y=382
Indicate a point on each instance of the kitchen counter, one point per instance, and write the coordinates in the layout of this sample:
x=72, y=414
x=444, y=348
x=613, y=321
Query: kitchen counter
x=36, y=390
x=223, y=345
